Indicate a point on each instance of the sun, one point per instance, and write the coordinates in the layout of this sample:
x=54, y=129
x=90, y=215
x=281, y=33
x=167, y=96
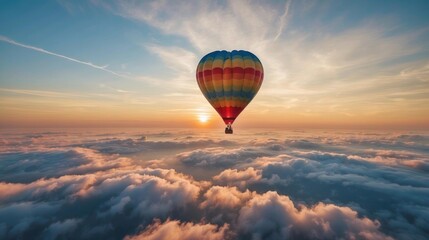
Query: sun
x=203, y=118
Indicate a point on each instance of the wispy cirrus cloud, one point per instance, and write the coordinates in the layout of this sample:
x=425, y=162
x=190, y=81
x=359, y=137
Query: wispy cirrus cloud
x=39, y=93
x=183, y=63
x=283, y=20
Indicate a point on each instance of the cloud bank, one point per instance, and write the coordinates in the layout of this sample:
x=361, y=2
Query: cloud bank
x=343, y=185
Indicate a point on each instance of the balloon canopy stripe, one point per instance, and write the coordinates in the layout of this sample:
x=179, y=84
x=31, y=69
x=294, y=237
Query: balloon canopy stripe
x=229, y=81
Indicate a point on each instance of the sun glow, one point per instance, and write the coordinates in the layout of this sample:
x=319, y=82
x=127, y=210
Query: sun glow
x=203, y=118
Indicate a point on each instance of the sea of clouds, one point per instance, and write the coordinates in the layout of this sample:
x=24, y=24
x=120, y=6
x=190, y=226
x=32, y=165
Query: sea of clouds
x=84, y=184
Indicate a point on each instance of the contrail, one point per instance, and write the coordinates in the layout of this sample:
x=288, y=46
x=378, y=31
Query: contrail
x=103, y=68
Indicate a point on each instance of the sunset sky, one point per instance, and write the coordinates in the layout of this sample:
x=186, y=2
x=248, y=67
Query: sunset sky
x=328, y=64
x=105, y=134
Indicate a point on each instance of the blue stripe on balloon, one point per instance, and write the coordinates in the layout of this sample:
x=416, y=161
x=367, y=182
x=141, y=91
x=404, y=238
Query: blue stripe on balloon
x=228, y=94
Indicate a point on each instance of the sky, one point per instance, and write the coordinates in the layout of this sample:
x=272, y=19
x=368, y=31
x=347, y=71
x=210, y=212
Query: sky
x=328, y=64
x=195, y=184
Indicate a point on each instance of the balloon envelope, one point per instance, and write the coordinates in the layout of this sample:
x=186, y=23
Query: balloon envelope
x=229, y=81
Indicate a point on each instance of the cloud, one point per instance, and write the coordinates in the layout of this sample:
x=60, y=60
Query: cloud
x=271, y=216
x=304, y=144
x=176, y=58
x=181, y=19
x=132, y=145
x=296, y=185
x=233, y=177
x=225, y=197
x=22, y=217
x=317, y=176
x=126, y=198
x=175, y=230
x=395, y=158
x=28, y=166
x=58, y=229
x=39, y=93
x=283, y=19
x=183, y=62
x=220, y=157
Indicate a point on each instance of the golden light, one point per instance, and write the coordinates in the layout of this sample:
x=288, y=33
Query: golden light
x=203, y=118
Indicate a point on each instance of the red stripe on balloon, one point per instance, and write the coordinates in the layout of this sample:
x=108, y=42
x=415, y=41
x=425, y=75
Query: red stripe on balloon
x=238, y=70
x=227, y=70
x=199, y=75
x=207, y=73
x=229, y=114
x=249, y=71
x=217, y=71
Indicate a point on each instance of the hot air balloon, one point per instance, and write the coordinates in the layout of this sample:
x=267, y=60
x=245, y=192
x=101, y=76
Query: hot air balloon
x=229, y=81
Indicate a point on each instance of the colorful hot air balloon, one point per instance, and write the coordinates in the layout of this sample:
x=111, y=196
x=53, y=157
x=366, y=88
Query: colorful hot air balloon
x=229, y=81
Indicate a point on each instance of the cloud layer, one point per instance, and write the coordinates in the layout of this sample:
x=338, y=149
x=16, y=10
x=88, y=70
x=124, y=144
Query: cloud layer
x=323, y=185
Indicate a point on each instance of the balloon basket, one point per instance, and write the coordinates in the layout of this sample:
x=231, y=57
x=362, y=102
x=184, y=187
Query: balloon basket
x=228, y=129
